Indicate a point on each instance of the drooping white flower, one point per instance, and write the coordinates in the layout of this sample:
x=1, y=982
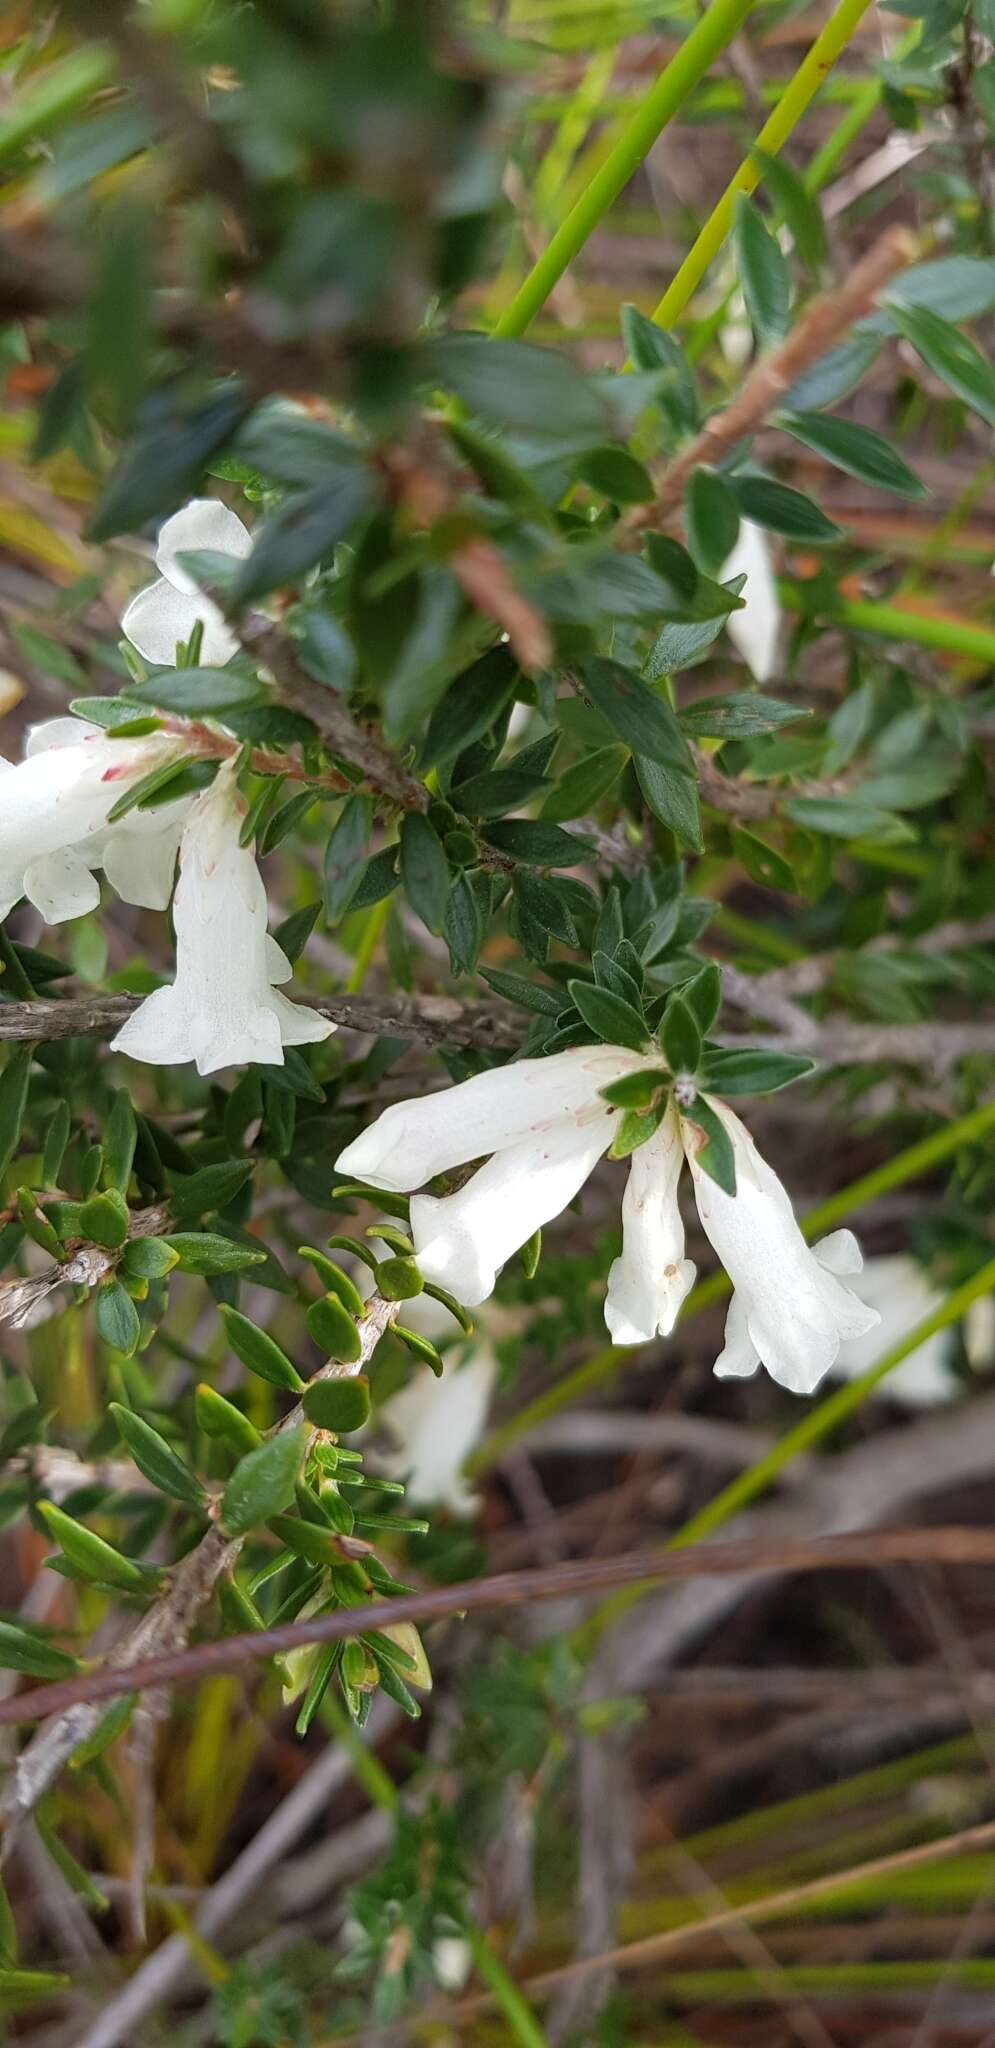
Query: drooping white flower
x=790, y=1310
x=903, y=1296
x=222, y=1009
x=166, y=611
x=53, y=821
x=648, y=1284
x=544, y=1123
x=756, y=629
x=435, y=1424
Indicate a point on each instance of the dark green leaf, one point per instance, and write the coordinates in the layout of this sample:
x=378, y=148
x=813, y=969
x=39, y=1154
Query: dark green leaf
x=148, y=1258
x=650, y=348
x=166, y=459
x=703, y=995
x=847, y=818
x=752, y=1073
x=495, y=792
x=333, y=1329
x=155, y=1457
x=463, y=925
x=834, y=374
x=209, y=1189
x=197, y=692
x=762, y=862
x=673, y=798
x=338, y=1405
x=117, y=1317
x=616, y=475
x=798, y=206
x=634, y=1128
x=378, y=878
x=281, y=443
x=258, y=1351
x=22, y=1650
x=202, y=1251
x=950, y=355
x=470, y=707
x=783, y=510
x=529, y=995
x=220, y=1419
x=677, y=646
x=104, y=1219
x=425, y=873
x=855, y=450
x=680, y=1037
x=92, y=1556
x=641, y=717
x=716, y=1157
x=740, y=717
x=118, y=310
x=537, y=844
x=343, y=866
x=120, y=1134
x=583, y=784
x=535, y=390
x=13, y=1099
x=609, y=1016
x=306, y=528
x=763, y=274
x=263, y=1482
x=398, y=1279
x=712, y=518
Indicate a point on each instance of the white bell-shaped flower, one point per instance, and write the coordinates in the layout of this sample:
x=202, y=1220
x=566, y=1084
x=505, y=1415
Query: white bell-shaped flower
x=53, y=821
x=903, y=1296
x=756, y=629
x=222, y=1009
x=790, y=1310
x=435, y=1424
x=648, y=1284
x=166, y=611
x=546, y=1126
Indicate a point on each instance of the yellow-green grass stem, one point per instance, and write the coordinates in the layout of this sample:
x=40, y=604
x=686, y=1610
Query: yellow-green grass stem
x=795, y=100
x=712, y=34
x=892, y=1173
x=522, y=2023
x=893, y=622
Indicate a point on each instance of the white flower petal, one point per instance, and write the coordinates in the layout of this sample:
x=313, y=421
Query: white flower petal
x=902, y=1294
x=157, y=618
x=738, y=1358
x=756, y=630
x=59, y=798
x=436, y=1423
x=60, y=886
x=221, y=1010
x=839, y=1253
x=278, y=967
x=648, y=1284
x=205, y=524
x=141, y=865
x=462, y=1240
x=412, y=1141
x=797, y=1312
x=58, y=732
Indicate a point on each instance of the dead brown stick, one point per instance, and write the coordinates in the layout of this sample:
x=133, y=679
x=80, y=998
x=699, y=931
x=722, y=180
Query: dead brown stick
x=820, y=327
x=430, y=1020
x=865, y=1551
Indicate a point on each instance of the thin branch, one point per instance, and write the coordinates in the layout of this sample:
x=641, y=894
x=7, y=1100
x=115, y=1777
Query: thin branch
x=804, y=977
x=86, y=1266
x=341, y=732
x=165, y=1629
x=429, y=1020
x=820, y=327
x=127, y=1672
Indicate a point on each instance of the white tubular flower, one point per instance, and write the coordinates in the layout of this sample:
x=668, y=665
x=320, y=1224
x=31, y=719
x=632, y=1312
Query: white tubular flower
x=790, y=1311
x=53, y=821
x=436, y=1423
x=222, y=1008
x=166, y=611
x=648, y=1284
x=756, y=630
x=903, y=1296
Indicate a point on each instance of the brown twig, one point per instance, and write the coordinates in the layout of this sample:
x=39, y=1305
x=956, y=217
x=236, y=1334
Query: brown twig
x=165, y=1629
x=820, y=327
x=86, y=1265
x=866, y=1551
x=430, y=1020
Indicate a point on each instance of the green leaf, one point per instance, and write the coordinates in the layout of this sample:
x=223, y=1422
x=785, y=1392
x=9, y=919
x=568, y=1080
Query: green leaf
x=739, y=717
x=293, y=934
x=343, y=866
x=763, y=274
x=263, y=1482
x=281, y=443
x=13, y=1101
x=677, y=646
x=378, y=878
x=155, y=1457
x=110, y=1725
x=716, y=1157
x=119, y=1138
x=950, y=356
x=104, y=1219
x=703, y=995
x=609, y=1016
x=847, y=818
x=798, y=206
x=634, y=1128
x=425, y=872
x=835, y=373
x=92, y=1556
x=118, y=310
x=197, y=692
x=517, y=385
x=165, y=460
x=202, y=1251
x=22, y=1650
x=855, y=450
x=673, y=798
x=258, y=1351
x=501, y=478
x=529, y=995
x=635, y=1091
x=333, y=1329
x=338, y=1405
x=334, y=1279
x=537, y=844
x=641, y=718
x=763, y=863
x=463, y=925
x=420, y=1347
x=752, y=1073
x=117, y=1317
x=147, y=1258
x=680, y=1037
x=496, y=791
x=471, y=706
x=651, y=348
x=712, y=518
x=306, y=528
x=220, y=1419
x=151, y=785
x=56, y=1140
x=398, y=1279
x=208, y=1189
x=616, y=475
x=583, y=785
x=783, y=510
x=309, y=1540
